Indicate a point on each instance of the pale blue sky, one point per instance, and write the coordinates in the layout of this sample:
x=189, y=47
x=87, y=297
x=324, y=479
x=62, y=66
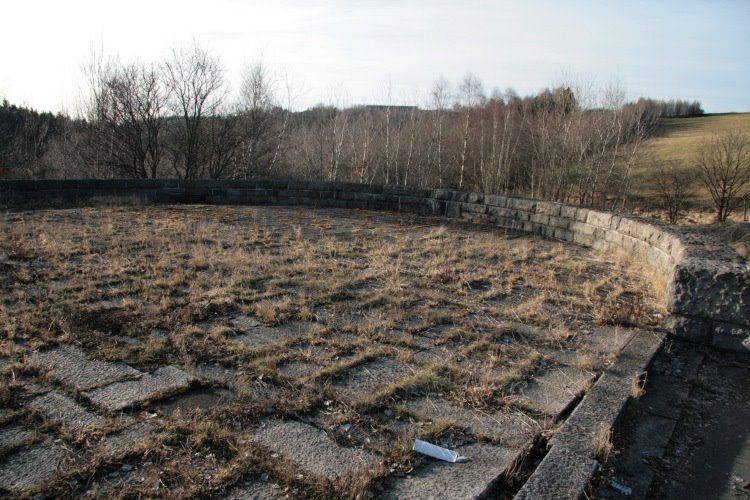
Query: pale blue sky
x=350, y=50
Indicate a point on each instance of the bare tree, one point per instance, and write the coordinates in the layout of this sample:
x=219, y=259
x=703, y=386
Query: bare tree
x=471, y=96
x=723, y=163
x=126, y=111
x=674, y=187
x=439, y=101
x=264, y=122
x=196, y=83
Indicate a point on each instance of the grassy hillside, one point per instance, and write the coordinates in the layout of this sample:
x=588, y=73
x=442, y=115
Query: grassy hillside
x=679, y=142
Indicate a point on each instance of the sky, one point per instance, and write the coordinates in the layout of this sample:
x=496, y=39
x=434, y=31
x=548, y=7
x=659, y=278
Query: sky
x=378, y=51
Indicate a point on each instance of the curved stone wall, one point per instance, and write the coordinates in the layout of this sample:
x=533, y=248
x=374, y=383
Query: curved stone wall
x=708, y=284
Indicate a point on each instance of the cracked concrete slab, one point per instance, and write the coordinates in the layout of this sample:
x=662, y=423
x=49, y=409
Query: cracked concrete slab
x=33, y=466
x=14, y=436
x=265, y=336
x=512, y=428
x=555, y=389
x=472, y=479
x=120, y=395
x=126, y=439
x=70, y=366
x=313, y=450
x=364, y=379
x=63, y=410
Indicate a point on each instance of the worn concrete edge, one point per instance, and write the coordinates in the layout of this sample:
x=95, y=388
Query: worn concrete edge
x=571, y=463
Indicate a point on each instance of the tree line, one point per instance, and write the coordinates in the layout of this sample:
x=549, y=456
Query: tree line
x=178, y=119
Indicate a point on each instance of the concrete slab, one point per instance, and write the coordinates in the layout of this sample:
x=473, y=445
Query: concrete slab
x=607, y=339
x=14, y=436
x=472, y=479
x=562, y=474
x=126, y=439
x=150, y=386
x=555, y=389
x=298, y=369
x=33, y=466
x=313, y=451
x=70, y=366
x=265, y=336
x=203, y=398
x=365, y=379
x=513, y=429
x=244, y=323
x=570, y=464
x=63, y=410
x=256, y=491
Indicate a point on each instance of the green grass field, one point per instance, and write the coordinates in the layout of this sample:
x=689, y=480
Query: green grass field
x=679, y=142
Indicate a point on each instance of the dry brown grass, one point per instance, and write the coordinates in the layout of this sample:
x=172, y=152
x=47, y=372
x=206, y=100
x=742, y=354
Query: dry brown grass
x=170, y=279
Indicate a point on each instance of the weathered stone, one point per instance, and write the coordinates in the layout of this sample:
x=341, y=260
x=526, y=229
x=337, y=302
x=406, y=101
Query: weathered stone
x=555, y=390
x=13, y=436
x=62, y=410
x=513, y=429
x=563, y=474
x=472, y=479
x=31, y=467
x=313, y=451
x=71, y=367
x=121, y=395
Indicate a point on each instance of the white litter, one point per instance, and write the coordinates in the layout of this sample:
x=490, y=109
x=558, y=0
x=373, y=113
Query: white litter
x=438, y=452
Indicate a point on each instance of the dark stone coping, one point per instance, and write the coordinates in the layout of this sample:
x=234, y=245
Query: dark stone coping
x=708, y=284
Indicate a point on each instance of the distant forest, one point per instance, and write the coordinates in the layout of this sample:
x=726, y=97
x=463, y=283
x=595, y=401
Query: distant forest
x=175, y=120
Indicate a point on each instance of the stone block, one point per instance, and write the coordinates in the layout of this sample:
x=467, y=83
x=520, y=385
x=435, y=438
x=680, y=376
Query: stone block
x=539, y=219
x=494, y=200
x=711, y=289
x=731, y=336
x=548, y=208
x=599, y=219
x=524, y=204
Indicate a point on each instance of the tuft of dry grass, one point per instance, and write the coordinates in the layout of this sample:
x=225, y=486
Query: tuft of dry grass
x=602, y=442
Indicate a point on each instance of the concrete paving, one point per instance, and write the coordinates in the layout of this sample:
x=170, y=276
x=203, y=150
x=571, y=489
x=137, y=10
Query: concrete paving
x=494, y=441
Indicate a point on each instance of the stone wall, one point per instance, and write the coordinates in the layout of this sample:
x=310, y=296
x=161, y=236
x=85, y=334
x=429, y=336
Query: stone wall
x=708, y=284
